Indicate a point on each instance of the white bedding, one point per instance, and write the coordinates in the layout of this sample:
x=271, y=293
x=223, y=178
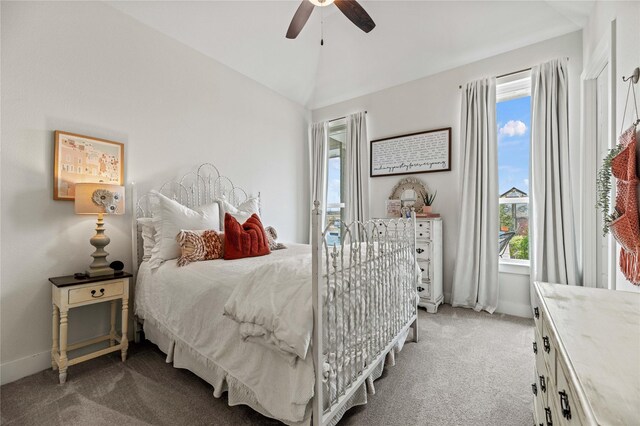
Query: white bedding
x=188, y=302
x=275, y=316
x=276, y=312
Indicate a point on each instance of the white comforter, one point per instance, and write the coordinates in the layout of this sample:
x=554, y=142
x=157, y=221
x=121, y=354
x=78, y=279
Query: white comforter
x=188, y=301
x=273, y=306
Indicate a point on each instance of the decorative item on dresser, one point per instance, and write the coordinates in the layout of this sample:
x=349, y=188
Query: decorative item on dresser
x=587, y=352
x=69, y=292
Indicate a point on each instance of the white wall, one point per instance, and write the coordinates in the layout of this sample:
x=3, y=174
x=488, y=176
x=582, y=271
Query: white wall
x=627, y=57
x=434, y=102
x=85, y=68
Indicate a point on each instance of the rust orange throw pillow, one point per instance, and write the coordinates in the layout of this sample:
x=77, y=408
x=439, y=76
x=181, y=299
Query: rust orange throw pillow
x=246, y=240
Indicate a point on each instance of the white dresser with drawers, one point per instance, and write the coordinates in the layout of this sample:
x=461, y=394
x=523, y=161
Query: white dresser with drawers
x=587, y=352
x=429, y=254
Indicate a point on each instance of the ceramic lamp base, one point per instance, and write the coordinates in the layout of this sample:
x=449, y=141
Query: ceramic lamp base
x=99, y=266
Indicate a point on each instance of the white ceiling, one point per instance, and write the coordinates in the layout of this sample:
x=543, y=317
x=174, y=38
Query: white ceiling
x=412, y=39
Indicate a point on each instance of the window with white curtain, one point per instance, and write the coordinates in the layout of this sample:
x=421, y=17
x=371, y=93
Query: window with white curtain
x=335, y=180
x=513, y=116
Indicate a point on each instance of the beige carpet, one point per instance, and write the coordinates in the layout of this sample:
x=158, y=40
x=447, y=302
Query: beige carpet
x=469, y=368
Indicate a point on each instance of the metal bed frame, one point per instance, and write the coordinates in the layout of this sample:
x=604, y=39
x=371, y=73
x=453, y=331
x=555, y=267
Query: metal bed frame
x=363, y=290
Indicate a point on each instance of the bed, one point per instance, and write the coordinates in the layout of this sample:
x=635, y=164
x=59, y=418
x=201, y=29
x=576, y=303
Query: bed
x=347, y=308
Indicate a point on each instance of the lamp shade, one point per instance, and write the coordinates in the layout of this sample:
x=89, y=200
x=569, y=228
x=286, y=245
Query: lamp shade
x=95, y=198
x=321, y=3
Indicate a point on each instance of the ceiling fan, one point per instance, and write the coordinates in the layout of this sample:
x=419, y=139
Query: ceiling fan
x=350, y=8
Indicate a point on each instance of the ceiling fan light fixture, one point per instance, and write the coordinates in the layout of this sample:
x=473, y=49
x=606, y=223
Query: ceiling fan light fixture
x=321, y=3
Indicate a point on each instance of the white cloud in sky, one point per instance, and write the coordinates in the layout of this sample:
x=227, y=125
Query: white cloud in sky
x=513, y=128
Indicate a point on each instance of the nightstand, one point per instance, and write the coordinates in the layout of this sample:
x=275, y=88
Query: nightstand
x=67, y=293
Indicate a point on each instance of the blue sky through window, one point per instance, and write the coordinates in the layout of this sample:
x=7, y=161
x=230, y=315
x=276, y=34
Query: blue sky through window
x=333, y=181
x=514, y=135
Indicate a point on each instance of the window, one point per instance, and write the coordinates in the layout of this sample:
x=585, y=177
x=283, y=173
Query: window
x=513, y=115
x=335, y=180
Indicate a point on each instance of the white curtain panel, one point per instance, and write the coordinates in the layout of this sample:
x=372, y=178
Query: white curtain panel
x=356, y=185
x=475, y=278
x=318, y=157
x=552, y=229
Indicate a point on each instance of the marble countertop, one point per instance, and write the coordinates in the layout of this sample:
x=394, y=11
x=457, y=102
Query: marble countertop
x=600, y=334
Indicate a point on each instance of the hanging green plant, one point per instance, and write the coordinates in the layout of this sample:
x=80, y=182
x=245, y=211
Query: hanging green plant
x=603, y=184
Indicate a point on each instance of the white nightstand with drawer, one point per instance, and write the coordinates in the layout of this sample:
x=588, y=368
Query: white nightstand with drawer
x=68, y=293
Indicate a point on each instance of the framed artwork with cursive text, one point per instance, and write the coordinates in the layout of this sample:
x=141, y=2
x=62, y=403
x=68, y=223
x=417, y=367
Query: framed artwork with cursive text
x=422, y=152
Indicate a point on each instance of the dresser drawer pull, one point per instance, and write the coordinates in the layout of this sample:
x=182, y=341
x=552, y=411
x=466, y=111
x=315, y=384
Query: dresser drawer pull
x=535, y=348
x=93, y=293
x=564, y=405
x=543, y=384
x=420, y=289
x=421, y=269
x=547, y=414
x=534, y=388
x=419, y=250
x=536, y=312
x=547, y=346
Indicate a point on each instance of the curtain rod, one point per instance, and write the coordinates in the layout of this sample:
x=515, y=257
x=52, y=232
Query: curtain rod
x=510, y=73
x=340, y=118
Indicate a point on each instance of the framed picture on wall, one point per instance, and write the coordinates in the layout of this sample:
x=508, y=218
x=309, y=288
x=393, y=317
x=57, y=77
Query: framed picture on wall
x=421, y=152
x=79, y=159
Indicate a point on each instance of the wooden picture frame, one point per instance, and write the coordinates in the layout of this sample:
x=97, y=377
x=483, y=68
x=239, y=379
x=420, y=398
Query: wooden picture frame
x=80, y=158
x=422, y=152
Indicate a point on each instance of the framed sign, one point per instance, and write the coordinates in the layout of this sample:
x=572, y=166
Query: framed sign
x=421, y=152
x=79, y=159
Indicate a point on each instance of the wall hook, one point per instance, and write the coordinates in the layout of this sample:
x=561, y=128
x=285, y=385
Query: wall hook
x=633, y=77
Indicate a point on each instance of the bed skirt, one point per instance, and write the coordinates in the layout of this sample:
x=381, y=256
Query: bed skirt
x=183, y=356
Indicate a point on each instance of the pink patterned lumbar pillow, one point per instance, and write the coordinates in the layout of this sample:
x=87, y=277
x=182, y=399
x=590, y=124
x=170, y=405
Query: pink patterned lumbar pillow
x=200, y=245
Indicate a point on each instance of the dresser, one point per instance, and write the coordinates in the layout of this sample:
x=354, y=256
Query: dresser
x=429, y=255
x=587, y=356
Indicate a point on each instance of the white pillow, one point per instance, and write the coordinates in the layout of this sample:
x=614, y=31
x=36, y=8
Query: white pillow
x=242, y=212
x=169, y=217
x=148, y=236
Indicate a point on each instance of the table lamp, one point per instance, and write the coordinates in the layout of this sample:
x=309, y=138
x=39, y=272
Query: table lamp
x=100, y=199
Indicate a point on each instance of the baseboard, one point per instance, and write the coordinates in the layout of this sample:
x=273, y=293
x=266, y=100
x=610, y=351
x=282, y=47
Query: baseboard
x=515, y=309
x=13, y=370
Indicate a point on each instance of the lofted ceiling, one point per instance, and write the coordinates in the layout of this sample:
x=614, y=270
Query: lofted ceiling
x=412, y=39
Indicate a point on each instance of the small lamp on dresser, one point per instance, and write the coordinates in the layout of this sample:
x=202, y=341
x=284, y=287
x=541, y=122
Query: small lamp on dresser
x=100, y=199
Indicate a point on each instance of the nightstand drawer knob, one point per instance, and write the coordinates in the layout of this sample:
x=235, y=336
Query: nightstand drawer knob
x=419, y=250
x=420, y=289
x=536, y=312
x=93, y=293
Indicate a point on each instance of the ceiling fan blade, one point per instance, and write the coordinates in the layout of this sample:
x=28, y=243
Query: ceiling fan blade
x=300, y=18
x=356, y=14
